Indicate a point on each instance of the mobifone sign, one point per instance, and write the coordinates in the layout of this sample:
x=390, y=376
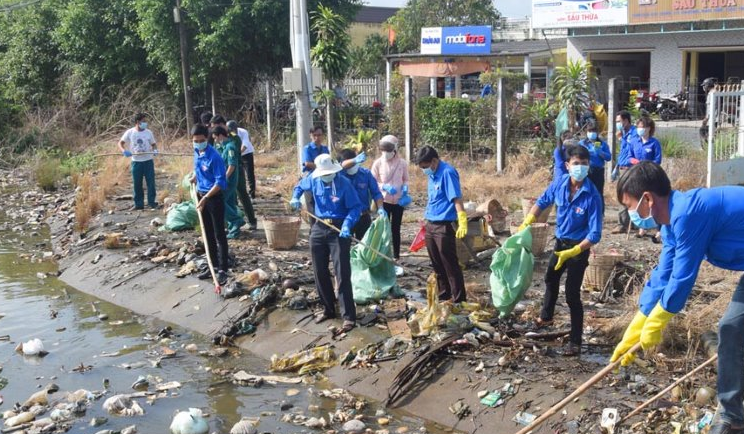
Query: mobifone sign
x=456, y=40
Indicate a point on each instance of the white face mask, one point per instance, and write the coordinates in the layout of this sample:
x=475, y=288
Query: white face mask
x=388, y=154
x=328, y=178
x=353, y=170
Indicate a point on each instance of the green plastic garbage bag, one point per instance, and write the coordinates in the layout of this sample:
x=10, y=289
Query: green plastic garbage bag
x=372, y=276
x=561, y=122
x=511, y=271
x=182, y=217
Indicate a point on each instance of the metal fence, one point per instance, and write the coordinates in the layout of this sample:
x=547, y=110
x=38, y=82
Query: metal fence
x=724, y=130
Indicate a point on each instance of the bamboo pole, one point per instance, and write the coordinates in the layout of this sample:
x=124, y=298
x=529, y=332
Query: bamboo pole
x=160, y=154
x=671, y=386
x=576, y=393
x=217, y=287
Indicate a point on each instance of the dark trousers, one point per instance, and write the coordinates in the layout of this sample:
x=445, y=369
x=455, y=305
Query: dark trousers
x=363, y=224
x=245, y=199
x=597, y=176
x=324, y=244
x=575, y=268
x=395, y=214
x=143, y=170
x=213, y=215
x=440, y=243
x=246, y=163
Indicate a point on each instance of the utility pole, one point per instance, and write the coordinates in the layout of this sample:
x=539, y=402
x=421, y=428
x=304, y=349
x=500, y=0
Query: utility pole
x=299, y=41
x=178, y=19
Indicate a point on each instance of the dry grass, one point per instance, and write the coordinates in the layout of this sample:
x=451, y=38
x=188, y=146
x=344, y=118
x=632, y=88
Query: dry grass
x=112, y=241
x=93, y=189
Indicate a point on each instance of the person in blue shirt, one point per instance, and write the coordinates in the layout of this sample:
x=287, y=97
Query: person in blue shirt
x=443, y=207
x=309, y=153
x=229, y=149
x=648, y=147
x=578, y=228
x=599, y=154
x=628, y=136
x=366, y=187
x=337, y=203
x=559, y=155
x=211, y=183
x=698, y=224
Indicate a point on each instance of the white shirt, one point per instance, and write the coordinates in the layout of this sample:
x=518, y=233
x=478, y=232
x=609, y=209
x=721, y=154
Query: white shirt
x=139, y=141
x=245, y=140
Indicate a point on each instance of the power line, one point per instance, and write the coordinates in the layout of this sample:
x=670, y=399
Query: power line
x=19, y=5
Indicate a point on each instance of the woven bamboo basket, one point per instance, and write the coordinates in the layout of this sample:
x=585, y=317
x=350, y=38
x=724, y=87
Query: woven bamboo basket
x=527, y=204
x=540, y=235
x=600, y=268
x=281, y=231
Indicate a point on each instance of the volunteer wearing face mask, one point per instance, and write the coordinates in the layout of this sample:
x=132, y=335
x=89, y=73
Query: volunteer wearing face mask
x=443, y=208
x=228, y=149
x=391, y=173
x=626, y=133
x=337, y=203
x=138, y=143
x=648, y=147
x=309, y=153
x=702, y=223
x=365, y=186
x=211, y=181
x=599, y=153
x=578, y=228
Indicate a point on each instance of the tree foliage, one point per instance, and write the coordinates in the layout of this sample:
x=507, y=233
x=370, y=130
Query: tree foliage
x=331, y=49
x=368, y=59
x=408, y=21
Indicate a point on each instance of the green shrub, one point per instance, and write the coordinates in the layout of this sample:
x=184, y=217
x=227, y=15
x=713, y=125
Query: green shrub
x=47, y=172
x=444, y=122
x=672, y=146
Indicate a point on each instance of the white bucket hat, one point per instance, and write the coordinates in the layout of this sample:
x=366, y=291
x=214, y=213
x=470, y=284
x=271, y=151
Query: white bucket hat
x=325, y=165
x=390, y=139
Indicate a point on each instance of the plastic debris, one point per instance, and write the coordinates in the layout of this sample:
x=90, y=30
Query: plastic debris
x=189, y=422
x=245, y=426
x=524, y=418
x=492, y=399
x=312, y=360
x=34, y=347
x=123, y=405
x=608, y=420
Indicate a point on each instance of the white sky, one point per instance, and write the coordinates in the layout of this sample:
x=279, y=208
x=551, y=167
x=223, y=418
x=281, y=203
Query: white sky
x=509, y=8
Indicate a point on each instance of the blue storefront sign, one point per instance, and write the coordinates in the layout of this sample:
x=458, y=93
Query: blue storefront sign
x=456, y=40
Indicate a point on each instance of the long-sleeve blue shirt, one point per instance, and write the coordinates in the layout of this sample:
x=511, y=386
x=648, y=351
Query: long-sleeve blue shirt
x=366, y=187
x=651, y=150
x=443, y=188
x=336, y=200
x=703, y=224
x=559, y=162
x=309, y=152
x=577, y=218
x=597, y=154
x=209, y=169
x=627, y=144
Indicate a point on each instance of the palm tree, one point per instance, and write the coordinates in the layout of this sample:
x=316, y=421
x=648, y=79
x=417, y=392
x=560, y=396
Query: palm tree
x=331, y=52
x=572, y=87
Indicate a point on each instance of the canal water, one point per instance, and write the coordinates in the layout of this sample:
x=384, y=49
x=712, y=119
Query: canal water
x=35, y=304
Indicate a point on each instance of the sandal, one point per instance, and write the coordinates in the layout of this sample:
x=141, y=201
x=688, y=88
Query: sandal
x=540, y=323
x=322, y=318
x=347, y=327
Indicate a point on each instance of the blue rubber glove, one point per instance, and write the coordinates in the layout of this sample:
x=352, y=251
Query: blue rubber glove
x=404, y=200
x=155, y=153
x=615, y=174
x=361, y=158
x=295, y=203
x=389, y=188
x=345, y=231
x=382, y=213
x=127, y=153
x=404, y=190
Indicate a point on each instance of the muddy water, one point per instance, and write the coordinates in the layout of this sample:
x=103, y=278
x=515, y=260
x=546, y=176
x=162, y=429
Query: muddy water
x=32, y=306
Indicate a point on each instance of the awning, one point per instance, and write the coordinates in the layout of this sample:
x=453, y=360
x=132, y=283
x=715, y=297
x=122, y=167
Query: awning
x=441, y=69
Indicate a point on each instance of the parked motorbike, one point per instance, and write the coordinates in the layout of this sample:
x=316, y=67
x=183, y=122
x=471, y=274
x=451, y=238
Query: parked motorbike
x=647, y=101
x=676, y=107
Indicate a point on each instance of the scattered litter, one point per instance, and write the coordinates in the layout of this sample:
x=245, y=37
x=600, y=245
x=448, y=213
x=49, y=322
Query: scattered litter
x=459, y=409
x=189, y=422
x=492, y=399
x=524, y=418
x=34, y=347
x=609, y=419
x=123, y=405
x=312, y=360
x=293, y=392
x=245, y=426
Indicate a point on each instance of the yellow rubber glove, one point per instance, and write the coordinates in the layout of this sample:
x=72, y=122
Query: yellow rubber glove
x=565, y=255
x=631, y=337
x=528, y=220
x=462, y=224
x=655, y=324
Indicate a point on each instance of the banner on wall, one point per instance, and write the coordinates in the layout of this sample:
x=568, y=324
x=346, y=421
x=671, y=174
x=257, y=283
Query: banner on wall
x=665, y=11
x=579, y=13
x=456, y=40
